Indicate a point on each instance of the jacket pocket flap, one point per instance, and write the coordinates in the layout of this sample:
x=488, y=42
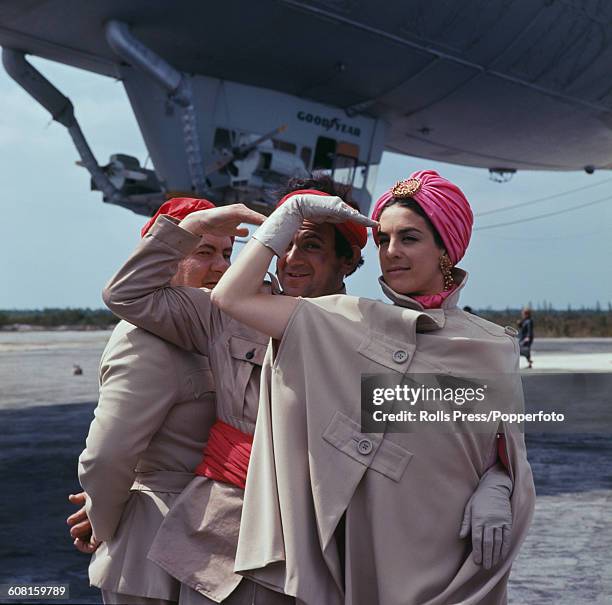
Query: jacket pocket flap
x=369, y=449
x=247, y=350
x=393, y=354
x=202, y=381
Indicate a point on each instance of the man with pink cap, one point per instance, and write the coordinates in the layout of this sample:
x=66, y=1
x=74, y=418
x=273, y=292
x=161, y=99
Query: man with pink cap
x=154, y=413
x=336, y=515
x=196, y=543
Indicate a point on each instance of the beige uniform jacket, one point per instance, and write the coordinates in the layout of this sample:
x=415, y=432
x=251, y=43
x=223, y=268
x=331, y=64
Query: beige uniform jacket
x=197, y=541
x=402, y=495
x=155, y=409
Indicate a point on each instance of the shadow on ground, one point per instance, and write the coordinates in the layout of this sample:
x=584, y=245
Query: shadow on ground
x=39, y=447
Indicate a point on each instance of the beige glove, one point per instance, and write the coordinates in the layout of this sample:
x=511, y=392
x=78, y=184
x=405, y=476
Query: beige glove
x=277, y=231
x=489, y=515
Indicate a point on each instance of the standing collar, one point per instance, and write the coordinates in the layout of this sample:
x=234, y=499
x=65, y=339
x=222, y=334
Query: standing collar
x=459, y=275
x=432, y=318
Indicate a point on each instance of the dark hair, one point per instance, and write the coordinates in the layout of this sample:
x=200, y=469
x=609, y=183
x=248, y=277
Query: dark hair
x=415, y=207
x=323, y=182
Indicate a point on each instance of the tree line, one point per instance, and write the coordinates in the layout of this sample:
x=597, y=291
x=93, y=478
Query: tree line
x=54, y=318
x=548, y=323
x=557, y=324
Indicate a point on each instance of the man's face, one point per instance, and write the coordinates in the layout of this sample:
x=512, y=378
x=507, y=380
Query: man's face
x=310, y=267
x=205, y=266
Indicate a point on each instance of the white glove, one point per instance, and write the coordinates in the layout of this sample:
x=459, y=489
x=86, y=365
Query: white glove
x=489, y=515
x=278, y=229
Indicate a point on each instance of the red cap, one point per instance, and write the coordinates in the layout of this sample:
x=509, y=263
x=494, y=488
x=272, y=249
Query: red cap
x=179, y=208
x=356, y=234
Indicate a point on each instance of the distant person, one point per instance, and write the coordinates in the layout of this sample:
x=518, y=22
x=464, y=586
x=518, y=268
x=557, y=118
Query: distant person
x=525, y=335
x=77, y=370
x=197, y=540
x=156, y=407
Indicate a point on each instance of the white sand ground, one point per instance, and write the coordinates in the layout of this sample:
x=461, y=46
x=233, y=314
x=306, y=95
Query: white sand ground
x=570, y=355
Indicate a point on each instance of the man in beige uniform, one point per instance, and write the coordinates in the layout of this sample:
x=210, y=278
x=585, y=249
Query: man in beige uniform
x=156, y=407
x=197, y=542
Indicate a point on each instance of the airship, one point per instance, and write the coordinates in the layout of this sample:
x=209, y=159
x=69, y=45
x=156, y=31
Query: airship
x=234, y=97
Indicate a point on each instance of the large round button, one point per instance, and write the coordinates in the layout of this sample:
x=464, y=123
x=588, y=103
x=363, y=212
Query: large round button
x=250, y=354
x=364, y=446
x=400, y=356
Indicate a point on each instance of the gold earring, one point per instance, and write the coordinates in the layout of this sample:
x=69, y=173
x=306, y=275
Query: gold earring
x=446, y=267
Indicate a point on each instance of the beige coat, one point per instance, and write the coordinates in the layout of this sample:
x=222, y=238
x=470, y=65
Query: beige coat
x=197, y=541
x=402, y=495
x=155, y=409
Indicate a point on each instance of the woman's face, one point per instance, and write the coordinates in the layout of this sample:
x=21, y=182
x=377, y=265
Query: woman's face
x=408, y=254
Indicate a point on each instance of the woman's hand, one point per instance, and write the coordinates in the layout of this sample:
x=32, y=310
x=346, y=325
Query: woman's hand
x=278, y=230
x=325, y=209
x=489, y=517
x=224, y=220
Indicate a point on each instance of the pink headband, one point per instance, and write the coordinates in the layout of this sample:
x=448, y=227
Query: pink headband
x=444, y=204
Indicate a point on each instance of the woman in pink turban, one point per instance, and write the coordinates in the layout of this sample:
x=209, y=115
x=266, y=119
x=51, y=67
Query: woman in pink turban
x=425, y=228
x=339, y=511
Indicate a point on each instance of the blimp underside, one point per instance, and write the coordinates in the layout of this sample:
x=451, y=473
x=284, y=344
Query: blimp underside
x=498, y=84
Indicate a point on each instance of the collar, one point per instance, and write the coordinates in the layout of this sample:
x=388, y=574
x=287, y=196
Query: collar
x=274, y=283
x=432, y=318
x=276, y=287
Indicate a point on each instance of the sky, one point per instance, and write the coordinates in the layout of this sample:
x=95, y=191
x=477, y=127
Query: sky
x=60, y=243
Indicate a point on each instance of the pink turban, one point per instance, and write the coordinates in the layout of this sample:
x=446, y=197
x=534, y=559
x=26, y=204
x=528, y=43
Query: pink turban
x=178, y=208
x=444, y=204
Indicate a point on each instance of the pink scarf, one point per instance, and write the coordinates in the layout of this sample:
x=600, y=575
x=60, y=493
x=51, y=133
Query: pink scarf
x=434, y=301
